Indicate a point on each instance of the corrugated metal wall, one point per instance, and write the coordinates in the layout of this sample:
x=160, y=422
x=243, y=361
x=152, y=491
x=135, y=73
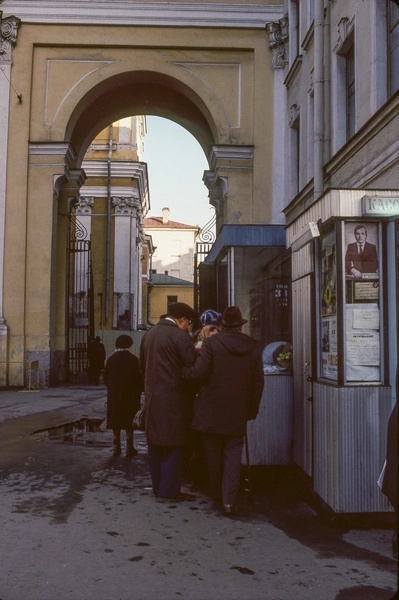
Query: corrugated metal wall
x=270, y=436
x=350, y=426
x=302, y=358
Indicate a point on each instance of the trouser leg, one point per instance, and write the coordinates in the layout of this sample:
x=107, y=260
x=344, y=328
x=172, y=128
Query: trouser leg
x=170, y=472
x=232, y=468
x=213, y=444
x=154, y=462
x=130, y=449
x=117, y=441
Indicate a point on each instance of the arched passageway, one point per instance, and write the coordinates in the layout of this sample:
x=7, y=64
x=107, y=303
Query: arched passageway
x=216, y=85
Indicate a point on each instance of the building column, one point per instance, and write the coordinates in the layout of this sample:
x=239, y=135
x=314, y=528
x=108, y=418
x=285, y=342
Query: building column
x=8, y=38
x=126, y=260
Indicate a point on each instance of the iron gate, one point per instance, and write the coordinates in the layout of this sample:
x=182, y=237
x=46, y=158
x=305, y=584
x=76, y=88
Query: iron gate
x=203, y=246
x=80, y=310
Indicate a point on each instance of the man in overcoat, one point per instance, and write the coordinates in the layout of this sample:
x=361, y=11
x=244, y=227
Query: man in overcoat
x=230, y=371
x=165, y=350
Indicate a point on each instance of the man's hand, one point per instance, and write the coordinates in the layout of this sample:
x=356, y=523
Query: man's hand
x=356, y=274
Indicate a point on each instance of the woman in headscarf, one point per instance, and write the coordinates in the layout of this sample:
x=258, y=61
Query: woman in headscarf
x=124, y=384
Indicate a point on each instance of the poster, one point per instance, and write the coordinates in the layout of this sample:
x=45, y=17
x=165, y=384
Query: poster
x=329, y=348
x=328, y=275
x=366, y=318
x=363, y=348
x=361, y=254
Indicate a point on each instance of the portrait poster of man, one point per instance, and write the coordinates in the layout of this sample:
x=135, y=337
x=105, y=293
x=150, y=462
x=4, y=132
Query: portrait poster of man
x=361, y=256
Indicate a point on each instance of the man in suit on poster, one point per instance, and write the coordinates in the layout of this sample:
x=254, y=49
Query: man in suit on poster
x=361, y=256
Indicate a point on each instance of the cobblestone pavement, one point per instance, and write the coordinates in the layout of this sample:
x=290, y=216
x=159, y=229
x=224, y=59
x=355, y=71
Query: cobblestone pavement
x=78, y=524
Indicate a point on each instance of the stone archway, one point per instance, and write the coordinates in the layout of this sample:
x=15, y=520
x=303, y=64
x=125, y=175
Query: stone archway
x=219, y=85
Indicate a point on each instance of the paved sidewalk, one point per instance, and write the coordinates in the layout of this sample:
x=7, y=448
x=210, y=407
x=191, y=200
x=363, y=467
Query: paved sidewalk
x=78, y=524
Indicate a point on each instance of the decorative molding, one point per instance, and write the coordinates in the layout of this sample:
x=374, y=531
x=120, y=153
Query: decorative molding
x=345, y=28
x=8, y=37
x=126, y=206
x=101, y=191
x=124, y=12
x=308, y=39
x=295, y=111
x=278, y=40
x=293, y=71
x=218, y=189
x=119, y=168
x=230, y=153
x=53, y=149
x=85, y=205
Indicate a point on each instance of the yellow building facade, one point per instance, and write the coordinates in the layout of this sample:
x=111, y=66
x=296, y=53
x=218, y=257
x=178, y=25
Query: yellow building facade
x=71, y=69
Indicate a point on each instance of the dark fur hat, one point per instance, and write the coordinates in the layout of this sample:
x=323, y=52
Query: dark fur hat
x=177, y=310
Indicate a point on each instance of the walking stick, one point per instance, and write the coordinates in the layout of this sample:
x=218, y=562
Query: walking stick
x=248, y=465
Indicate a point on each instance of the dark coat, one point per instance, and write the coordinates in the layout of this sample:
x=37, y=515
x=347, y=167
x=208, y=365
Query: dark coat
x=165, y=350
x=231, y=371
x=124, y=383
x=96, y=355
x=366, y=262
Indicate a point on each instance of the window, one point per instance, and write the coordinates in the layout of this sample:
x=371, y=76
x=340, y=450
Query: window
x=350, y=92
x=393, y=47
x=350, y=300
x=310, y=140
x=295, y=139
x=293, y=20
x=170, y=300
x=343, y=104
x=263, y=292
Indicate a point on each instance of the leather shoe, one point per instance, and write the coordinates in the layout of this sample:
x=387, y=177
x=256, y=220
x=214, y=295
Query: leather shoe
x=229, y=509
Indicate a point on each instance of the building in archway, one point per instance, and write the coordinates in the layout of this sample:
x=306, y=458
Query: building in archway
x=106, y=240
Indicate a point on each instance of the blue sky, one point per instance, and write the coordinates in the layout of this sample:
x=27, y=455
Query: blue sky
x=176, y=163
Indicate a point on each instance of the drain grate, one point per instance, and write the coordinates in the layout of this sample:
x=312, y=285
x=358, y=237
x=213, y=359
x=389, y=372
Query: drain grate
x=83, y=431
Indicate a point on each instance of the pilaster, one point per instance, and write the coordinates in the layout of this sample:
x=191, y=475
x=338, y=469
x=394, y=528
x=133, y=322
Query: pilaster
x=8, y=38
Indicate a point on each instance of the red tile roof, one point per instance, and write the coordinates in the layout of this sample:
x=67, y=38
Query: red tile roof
x=152, y=222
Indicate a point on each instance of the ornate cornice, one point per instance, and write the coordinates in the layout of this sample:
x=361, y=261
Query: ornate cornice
x=125, y=12
x=345, y=28
x=8, y=37
x=237, y=156
x=278, y=38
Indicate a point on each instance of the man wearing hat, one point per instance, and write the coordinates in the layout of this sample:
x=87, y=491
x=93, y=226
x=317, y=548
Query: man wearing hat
x=165, y=350
x=230, y=371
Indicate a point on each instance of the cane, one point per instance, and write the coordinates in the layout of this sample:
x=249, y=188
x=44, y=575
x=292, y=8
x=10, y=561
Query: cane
x=248, y=465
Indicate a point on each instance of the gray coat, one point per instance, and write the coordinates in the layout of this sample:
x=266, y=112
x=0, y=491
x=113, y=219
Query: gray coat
x=231, y=374
x=165, y=350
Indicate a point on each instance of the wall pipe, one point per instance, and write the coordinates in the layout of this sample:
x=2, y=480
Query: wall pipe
x=108, y=237
x=318, y=82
